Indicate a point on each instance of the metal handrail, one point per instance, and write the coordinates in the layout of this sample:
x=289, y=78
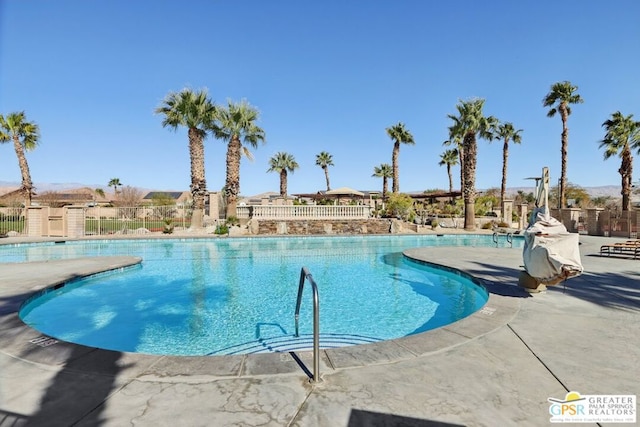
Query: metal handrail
x=509, y=239
x=305, y=274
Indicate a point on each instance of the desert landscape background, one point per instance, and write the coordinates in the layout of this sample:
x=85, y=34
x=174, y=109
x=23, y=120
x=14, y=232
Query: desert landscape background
x=7, y=186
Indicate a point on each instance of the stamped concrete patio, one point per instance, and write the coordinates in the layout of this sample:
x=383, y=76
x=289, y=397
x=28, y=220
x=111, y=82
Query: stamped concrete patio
x=496, y=367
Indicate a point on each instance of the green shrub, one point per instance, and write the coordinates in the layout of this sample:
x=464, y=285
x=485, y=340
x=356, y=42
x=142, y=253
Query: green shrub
x=222, y=229
x=232, y=220
x=400, y=205
x=168, y=226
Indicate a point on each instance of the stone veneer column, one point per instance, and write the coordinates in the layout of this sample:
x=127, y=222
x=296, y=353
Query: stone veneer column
x=214, y=205
x=507, y=211
x=524, y=216
x=74, y=221
x=36, y=221
x=570, y=217
x=593, y=223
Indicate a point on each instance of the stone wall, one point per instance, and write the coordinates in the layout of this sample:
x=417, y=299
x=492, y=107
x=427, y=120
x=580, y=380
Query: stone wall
x=365, y=226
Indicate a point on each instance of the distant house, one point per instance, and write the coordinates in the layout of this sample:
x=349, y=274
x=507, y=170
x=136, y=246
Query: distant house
x=342, y=196
x=179, y=197
x=79, y=196
x=12, y=198
x=435, y=196
x=260, y=199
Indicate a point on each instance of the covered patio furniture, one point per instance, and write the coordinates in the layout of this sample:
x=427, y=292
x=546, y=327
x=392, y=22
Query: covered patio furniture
x=551, y=254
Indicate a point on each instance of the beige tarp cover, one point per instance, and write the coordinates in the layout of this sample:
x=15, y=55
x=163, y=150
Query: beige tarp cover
x=551, y=254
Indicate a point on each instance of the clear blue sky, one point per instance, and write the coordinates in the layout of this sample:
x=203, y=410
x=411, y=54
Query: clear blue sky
x=326, y=75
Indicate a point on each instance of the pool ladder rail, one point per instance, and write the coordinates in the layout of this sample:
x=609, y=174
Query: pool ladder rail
x=509, y=239
x=306, y=275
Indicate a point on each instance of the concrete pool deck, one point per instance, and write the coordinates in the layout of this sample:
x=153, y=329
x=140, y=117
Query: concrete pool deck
x=496, y=367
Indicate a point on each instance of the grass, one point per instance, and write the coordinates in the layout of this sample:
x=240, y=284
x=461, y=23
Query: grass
x=16, y=225
x=112, y=226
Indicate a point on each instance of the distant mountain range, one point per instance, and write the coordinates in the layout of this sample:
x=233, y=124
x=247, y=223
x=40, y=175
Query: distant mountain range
x=601, y=191
x=41, y=187
x=6, y=186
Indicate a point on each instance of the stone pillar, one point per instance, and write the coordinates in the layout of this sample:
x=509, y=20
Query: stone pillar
x=569, y=217
x=507, y=211
x=629, y=221
x=604, y=223
x=74, y=221
x=215, y=204
x=37, y=217
x=635, y=223
x=524, y=216
x=593, y=223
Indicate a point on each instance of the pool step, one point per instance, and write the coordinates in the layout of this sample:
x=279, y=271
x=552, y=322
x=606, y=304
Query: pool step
x=286, y=343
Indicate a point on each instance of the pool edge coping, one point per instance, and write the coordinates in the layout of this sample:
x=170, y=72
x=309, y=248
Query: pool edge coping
x=31, y=346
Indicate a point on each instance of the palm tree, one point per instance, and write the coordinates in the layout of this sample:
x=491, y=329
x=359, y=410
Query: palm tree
x=115, y=183
x=235, y=123
x=560, y=98
x=385, y=172
x=283, y=163
x=399, y=135
x=99, y=192
x=455, y=140
x=324, y=160
x=506, y=132
x=623, y=135
x=24, y=135
x=449, y=158
x=471, y=123
x=195, y=111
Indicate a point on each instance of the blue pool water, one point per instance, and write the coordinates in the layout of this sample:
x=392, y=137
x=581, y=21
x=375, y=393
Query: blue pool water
x=226, y=296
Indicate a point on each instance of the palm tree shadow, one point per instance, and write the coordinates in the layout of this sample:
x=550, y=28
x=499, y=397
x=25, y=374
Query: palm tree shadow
x=79, y=390
x=612, y=290
x=85, y=377
x=501, y=281
x=362, y=418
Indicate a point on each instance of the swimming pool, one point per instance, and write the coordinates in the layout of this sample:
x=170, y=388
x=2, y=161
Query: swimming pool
x=233, y=296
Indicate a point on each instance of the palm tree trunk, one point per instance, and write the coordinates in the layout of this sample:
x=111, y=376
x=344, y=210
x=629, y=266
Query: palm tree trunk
x=232, y=186
x=27, y=185
x=283, y=183
x=626, y=169
x=469, y=181
x=326, y=177
x=450, y=182
x=461, y=161
x=395, y=186
x=198, y=182
x=385, y=184
x=505, y=156
x=564, y=152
